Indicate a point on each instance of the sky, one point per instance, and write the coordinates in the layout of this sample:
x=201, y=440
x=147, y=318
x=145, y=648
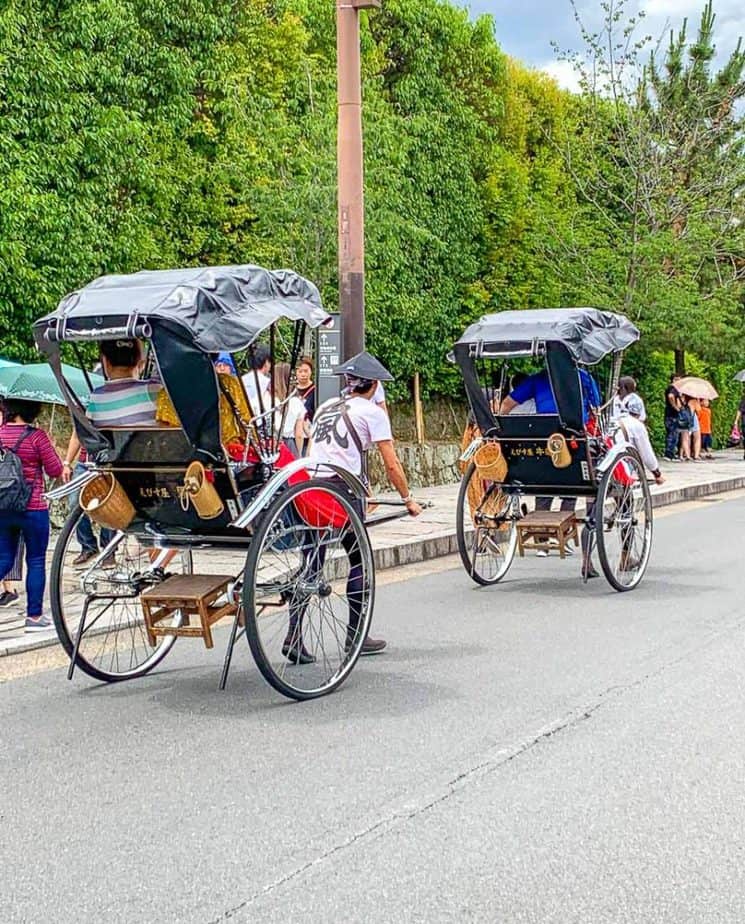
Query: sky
x=525, y=29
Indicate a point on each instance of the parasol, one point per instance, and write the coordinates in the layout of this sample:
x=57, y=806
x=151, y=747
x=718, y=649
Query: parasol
x=695, y=387
x=36, y=382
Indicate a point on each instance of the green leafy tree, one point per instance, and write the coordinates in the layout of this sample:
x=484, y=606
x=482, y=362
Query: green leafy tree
x=657, y=163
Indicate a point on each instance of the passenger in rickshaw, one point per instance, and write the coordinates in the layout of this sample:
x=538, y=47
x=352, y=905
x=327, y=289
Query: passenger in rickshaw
x=124, y=399
x=537, y=388
x=345, y=428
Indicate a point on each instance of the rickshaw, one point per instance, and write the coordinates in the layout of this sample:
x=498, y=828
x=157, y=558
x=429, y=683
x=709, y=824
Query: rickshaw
x=205, y=514
x=561, y=454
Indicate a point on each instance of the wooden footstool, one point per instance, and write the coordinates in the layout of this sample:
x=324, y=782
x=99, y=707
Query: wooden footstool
x=537, y=529
x=192, y=595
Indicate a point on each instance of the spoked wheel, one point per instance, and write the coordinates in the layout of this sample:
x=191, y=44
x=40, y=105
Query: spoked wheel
x=486, y=528
x=309, y=589
x=623, y=521
x=102, y=595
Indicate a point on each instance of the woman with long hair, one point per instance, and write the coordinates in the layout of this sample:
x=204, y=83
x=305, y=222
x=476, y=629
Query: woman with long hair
x=38, y=457
x=293, y=433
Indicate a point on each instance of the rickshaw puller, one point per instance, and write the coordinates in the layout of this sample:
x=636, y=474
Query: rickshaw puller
x=345, y=428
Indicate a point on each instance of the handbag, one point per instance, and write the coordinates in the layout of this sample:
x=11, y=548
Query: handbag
x=684, y=420
x=15, y=491
x=734, y=437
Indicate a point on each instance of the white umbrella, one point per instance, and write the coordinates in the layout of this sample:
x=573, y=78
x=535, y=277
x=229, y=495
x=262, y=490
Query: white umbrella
x=695, y=387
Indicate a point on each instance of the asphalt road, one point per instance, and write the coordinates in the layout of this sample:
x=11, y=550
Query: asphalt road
x=542, y=751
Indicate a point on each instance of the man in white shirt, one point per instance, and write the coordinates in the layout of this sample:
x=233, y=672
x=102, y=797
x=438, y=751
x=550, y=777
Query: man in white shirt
x=627, y=392
x=631, y=428
x=257, y=380
x=345, y=428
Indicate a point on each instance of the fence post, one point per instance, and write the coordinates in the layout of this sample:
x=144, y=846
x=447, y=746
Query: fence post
x=418, y=413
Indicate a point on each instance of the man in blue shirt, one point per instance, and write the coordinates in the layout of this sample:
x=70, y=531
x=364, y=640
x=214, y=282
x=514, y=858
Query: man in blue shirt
x=537, y=387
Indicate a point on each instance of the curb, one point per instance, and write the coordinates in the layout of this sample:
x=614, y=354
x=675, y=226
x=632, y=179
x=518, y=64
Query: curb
x=445, y=543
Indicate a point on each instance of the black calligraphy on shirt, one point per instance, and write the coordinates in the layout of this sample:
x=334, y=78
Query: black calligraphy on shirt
x=326, y=428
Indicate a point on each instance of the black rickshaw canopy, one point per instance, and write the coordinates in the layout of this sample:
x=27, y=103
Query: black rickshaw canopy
x=187, y=314
x=218, y=307
x=564, y=337
x=589, y=334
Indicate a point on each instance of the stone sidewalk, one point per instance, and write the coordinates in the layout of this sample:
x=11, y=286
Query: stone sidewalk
x=406, y=541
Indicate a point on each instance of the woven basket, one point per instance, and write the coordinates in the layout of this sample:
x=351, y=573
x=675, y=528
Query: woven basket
x=106, y=502
x=490, y=462
x=201, y=492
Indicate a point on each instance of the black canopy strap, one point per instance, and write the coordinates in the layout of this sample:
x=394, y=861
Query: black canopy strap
x=566, y=385
x=96, y=444
x=482, y=412
x=81, y=364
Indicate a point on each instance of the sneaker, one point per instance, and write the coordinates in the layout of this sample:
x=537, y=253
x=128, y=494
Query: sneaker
x=108, y=562
x=8, y=598
x=370, y=646
x=83, y=558
x=542, y=553
x=296, y=652
x=38, y=623
x=373, y=646
x=674, y=459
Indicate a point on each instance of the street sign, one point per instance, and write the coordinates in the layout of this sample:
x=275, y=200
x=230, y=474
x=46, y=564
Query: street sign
x=328, y=357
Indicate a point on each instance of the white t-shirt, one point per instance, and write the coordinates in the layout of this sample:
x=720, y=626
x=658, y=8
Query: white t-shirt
x=295, y=410
x=637, y=435
x=379, y=394
x=249, y=383
x=331, y=439
x=619, y=407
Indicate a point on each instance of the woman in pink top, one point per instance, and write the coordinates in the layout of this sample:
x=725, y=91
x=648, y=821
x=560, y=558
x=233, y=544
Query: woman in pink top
x=38, y=456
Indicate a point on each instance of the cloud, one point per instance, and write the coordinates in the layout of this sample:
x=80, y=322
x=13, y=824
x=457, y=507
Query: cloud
x=563, y=73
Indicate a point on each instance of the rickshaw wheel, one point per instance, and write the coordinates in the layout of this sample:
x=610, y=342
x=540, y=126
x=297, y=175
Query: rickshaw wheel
x=114, y=645
x=486, y=528
x=309, y=589
x=623, y=521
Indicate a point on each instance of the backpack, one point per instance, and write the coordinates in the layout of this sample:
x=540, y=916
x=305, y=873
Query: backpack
x=15, y=491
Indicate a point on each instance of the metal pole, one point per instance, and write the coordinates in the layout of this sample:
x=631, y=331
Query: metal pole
x=351, y=213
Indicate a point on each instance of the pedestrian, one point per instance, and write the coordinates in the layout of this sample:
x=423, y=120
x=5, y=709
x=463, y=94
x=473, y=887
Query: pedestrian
x=704, y=421
x=37, y=456
x=9, y=594
x=684, y=426
x=694, y=405
x=257, y=380
x=305, y=388
x=290, y=411
x=672, y=406
x=344, y=429
x=739, y=424
x=626, y=387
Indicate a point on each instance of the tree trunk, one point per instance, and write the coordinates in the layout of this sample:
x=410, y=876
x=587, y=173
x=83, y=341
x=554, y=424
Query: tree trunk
x=680, y=361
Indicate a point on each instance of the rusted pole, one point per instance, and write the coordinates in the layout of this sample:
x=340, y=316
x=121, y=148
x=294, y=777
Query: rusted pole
x=350, y=175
